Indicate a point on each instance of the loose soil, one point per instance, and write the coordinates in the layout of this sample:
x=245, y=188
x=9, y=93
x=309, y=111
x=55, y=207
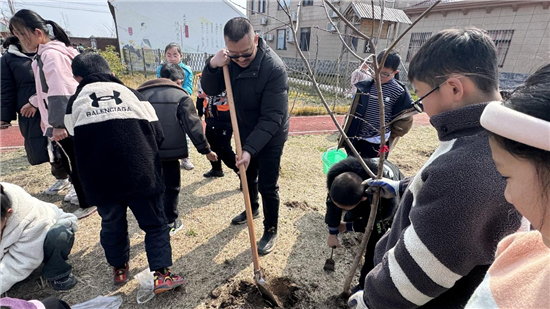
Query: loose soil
x=213, y=255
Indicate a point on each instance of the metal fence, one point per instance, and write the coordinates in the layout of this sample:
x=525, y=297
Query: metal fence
x=146, y=61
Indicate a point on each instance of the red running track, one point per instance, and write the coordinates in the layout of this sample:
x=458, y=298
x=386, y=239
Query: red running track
x=11, y=138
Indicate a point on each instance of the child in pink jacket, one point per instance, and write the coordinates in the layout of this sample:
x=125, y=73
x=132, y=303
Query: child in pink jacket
x=520, y=142
x=54, y=85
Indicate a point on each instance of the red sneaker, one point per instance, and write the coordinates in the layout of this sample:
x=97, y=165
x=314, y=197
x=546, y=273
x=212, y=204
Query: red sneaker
x=166, y=282
x=121, y=274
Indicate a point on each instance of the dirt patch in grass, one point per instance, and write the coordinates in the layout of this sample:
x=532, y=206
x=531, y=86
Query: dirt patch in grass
x=211, y=253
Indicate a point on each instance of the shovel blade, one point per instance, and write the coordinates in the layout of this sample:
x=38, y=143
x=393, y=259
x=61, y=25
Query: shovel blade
x=329, y=265
x=266, y=293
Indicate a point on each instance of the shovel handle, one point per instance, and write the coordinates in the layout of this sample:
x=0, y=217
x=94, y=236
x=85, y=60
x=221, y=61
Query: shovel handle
x=242, y=170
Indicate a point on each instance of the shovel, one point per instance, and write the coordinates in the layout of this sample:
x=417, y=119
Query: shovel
x=329, y=264
x=258, y=272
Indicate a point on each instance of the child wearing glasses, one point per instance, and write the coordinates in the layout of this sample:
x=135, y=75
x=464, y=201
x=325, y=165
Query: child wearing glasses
x=364, y=127
x=453, y=213
x=173, y=54
x=520, y=275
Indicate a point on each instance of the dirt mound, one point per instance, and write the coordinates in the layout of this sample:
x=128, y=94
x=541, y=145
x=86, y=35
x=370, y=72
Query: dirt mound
x=299, y=205
x=245, y=295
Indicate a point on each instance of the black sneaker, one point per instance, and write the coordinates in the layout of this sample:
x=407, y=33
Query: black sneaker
x=267, y=242
x=175, y=226
x=64, y=284
x=213, y=173
x=241, y=218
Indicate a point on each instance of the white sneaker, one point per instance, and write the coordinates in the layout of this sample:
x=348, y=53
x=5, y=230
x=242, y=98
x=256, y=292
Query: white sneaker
x=59, y=185
x=186, y=164
x=74, y=201
x=81, y=213
x=70, y=195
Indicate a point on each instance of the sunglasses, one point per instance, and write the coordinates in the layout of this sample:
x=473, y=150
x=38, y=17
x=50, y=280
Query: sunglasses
x=240, y=56
x=418, y=103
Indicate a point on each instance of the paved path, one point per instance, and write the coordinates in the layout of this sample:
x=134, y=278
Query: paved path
x=11, y=138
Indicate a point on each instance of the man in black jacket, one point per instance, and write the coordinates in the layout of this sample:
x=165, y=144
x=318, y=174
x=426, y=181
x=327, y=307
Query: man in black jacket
x=260, y=88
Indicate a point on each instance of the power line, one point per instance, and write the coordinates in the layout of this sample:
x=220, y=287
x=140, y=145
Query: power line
x=68, y=8
x=79, y=3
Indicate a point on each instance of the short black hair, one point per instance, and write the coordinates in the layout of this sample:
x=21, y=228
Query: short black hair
x=89, y=63
x=468, y=51
x=236, y=28
x=12, y=40
x=346, y=189
x=172, y=71
x=5, y=201
x=392, y=62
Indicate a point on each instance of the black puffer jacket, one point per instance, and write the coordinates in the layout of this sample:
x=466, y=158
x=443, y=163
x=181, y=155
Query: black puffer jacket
x=177, y=116
x=17, y=86
x=361, y=212
x=261, y=98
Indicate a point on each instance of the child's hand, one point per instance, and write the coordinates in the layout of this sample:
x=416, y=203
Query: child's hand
x=342, y=227
x=212, y=156
x=332, y=241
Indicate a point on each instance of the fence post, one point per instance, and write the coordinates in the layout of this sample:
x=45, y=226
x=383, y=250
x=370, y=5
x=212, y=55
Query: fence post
x=131, y=65
x=144, y=64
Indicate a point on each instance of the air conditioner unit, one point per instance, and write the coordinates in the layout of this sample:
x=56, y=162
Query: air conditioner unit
x=332, y=14
x=293, y=16
x=270, y=37
x=289, y=35
x=263, y=21
x=330, y=27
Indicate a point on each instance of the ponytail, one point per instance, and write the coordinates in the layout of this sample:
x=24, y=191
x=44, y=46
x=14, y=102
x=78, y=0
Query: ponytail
x=31, y=20
x=58, y=33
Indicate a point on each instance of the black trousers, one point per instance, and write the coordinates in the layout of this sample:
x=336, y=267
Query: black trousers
x=365, y=149
x=172, y=181
x=220, y=143
x=57, y=247
x=262, y=176
x=68, y=146
x=58, y=171
x=149, y=213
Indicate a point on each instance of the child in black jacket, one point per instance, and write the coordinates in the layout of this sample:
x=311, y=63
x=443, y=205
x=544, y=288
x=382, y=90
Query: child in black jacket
x=347, y=192
x=177, y=115
x=116, y=142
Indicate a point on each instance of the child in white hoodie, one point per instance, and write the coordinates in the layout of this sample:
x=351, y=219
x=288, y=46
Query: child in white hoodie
x=34, y=232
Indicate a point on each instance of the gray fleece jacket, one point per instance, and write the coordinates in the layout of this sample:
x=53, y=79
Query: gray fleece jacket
x=450, y=220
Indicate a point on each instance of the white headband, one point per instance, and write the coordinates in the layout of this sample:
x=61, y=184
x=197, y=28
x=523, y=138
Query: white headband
x=516, y=126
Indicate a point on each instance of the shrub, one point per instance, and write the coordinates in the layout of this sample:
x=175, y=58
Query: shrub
x=113, y=58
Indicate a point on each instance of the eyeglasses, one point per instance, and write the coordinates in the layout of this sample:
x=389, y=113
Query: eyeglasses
x=385, y=74
x=418, y=103
x=239, y=56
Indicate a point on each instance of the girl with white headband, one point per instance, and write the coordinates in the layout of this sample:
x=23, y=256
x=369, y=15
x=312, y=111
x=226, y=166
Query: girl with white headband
x=520, y=143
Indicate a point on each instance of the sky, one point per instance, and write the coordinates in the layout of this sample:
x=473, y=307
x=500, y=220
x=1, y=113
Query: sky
x=83, y=18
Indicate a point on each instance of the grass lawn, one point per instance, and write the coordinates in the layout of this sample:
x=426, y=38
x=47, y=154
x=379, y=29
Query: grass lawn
x=210, y=253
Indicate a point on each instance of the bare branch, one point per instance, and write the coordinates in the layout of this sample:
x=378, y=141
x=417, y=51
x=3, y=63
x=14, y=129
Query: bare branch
x=407, y=30
x=381, y=23
x=255, y=12
x=361, y=34
x=327, y=107
x=340, y=36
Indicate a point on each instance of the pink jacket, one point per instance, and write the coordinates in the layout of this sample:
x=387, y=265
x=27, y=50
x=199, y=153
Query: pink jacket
x=519, y=276
x=54, y=83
